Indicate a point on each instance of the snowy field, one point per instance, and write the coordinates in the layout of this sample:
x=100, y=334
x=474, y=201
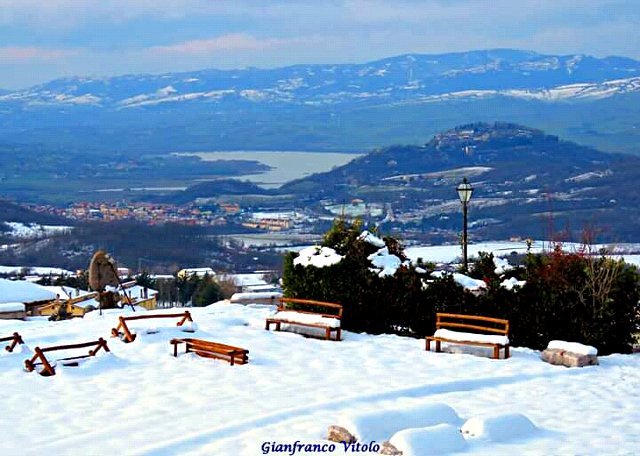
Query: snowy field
x=452, y=253
x=140, y=400
x=31, y=230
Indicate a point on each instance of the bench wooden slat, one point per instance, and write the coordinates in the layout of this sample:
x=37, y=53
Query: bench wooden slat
x=464, y=325
x=282, y=307
x=311, y=302
x=210, y=349
x=502, y=327
x=472, y=317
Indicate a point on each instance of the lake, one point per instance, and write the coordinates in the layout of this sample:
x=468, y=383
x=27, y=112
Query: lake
x=285, y=166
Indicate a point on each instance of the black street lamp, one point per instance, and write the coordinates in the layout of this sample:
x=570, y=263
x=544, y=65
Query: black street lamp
x=465, y=191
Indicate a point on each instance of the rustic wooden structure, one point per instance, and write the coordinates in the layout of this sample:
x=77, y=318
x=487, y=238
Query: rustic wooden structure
x=48, y=369
x=473, y=323
x=13, y=340
x=60, y=309
x=208, y=349
x=307, y=307
x=127, y=336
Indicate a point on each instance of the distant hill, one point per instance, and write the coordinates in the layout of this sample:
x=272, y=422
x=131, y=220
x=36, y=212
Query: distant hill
x=211, y=190
x=333, y=107
x=527, y=184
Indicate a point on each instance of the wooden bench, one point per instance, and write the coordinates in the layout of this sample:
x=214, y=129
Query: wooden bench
x=444, y=321
x=48, y=369
x=14, y=340
x=127, y=336
x=208, y=349
x=309, y=313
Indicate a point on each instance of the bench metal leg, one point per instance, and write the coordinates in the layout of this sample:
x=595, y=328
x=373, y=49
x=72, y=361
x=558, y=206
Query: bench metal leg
x=496, y=352
x=506, y=352
x=338, y=334
x=427, y=345
x=438, y=346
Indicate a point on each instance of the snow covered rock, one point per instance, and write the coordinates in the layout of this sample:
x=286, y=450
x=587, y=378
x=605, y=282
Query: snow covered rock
x=379, y=425
x=438, y=439
x=570, y=354
x=390, y=450
x=339, y=434
x=499, y=428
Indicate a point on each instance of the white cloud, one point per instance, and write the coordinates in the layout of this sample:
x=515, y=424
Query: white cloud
x=17, y=54
x=226, y=43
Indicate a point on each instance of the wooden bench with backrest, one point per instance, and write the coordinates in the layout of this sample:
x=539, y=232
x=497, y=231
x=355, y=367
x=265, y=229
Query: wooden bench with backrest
x=208, y=349
x=448, y=326
x=48, y=369
x=305, y=312
x=14, y=340
x=122, y=330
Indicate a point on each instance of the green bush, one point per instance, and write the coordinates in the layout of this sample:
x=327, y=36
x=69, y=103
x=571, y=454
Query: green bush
x=574, y=297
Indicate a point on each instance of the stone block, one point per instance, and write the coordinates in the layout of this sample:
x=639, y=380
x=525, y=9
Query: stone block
x=565, y=358
x=340, y=434
x=388, y=449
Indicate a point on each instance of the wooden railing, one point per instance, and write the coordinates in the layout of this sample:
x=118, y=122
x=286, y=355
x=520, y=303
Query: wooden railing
x=15, y=339
x=48, y=369
x=127, y=336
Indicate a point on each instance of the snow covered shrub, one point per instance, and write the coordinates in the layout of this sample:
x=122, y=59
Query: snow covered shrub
x=378, y=288
x=570, y=296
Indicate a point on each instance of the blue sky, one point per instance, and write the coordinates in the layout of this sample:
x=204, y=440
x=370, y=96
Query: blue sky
x=45, y=39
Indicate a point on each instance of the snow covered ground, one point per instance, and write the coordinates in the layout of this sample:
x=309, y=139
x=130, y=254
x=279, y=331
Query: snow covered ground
x=140, y=400
x=451, y=253
x=20, y=230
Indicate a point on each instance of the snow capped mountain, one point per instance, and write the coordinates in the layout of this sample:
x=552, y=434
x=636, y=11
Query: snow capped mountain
x=570, y=92
x=423, y=78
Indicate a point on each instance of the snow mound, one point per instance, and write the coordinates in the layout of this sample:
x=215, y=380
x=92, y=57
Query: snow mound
x=257, y=295
x=371, y=239
x=189, y=326
x=499, y=428
x=502, y=265
x=468, y=283
x=318, y=257
x=438, y=439
x=381, y=424
x=573, y=347
x=512, y=282
x=384, y=263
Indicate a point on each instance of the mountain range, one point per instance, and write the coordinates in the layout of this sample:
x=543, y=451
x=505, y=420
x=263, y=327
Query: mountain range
x=333, y=107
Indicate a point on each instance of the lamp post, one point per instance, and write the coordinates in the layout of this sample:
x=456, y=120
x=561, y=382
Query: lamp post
x=464, y=190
